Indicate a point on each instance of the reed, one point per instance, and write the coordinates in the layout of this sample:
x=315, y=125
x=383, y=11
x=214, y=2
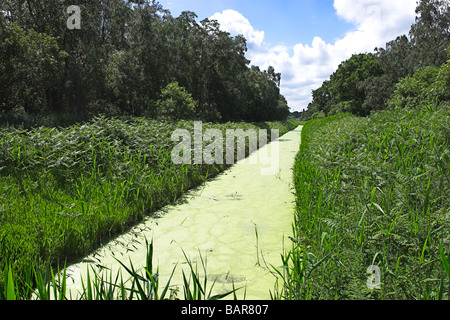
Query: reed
x=372, y=191
x=140, y=284
x=66, y=190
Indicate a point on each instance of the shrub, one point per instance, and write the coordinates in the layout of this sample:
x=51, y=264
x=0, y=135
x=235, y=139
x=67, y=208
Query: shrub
x=430, y=85
x=176, y=102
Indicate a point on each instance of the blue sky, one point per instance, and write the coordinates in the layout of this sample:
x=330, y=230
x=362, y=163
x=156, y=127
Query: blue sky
x=283, y=21
x=304, y=40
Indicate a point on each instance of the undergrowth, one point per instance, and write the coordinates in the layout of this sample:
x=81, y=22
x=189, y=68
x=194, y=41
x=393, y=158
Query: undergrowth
x=140, y=284
x=65, y=191
x=372, y=192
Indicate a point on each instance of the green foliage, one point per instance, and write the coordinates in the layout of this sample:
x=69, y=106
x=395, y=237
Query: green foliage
x=262, y=96
x=440, y=89
x=63, y=191
x=322, y=98
x=282, y=110
x=345, y=92
x=142, y=284
x=430, y=35
x=345, y=82
x=363, y=87
x=176, y=103
x=122, y=58
x=428, y=86
x=30, y=65
x=372, y=191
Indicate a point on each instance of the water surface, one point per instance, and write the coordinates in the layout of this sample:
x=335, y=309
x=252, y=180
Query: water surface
x=238, y=222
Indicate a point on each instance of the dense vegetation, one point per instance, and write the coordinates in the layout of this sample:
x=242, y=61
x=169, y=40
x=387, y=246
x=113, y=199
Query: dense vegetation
x=373, y=191
x=372, y=174
x=366, y=82
x=65, y=191
x=142, y=284
x=126, y=57
x=371, y=177
x=87, y=116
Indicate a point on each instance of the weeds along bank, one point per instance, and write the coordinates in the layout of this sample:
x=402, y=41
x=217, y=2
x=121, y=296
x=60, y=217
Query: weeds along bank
x=372, y=192
x=63, y=191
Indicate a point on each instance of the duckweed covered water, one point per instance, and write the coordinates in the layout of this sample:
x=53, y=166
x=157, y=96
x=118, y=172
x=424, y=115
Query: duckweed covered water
x=237, y=222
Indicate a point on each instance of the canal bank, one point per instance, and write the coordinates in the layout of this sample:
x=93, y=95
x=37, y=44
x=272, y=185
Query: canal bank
x=237, y=223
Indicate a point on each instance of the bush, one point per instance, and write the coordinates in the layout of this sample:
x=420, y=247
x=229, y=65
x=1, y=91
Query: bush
x=176, y=102
x=30, y=70
x=430, y=85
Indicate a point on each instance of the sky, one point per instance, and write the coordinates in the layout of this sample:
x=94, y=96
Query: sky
x=304, y=40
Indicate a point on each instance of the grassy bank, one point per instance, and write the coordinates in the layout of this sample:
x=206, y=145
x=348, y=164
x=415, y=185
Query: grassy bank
x=372, y=192
x=64, y=191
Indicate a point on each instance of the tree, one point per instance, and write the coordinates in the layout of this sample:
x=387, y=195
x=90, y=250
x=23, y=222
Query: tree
x=322, y=100
x=346, y=84
x=125, y=57
x=430, y=35
x=428, y=86
x=176, y=103
x=401, y=74
x=282, y=111
x=263, y=100
x=30, y=66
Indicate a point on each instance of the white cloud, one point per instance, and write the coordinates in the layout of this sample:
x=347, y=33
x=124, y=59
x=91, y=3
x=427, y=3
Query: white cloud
x=376, y=21
x=304, y=67
x=235, y=23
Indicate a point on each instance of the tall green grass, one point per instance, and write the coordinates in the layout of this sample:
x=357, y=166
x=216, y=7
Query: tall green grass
x=140, y=284
x=372, y=191
x=65, y=191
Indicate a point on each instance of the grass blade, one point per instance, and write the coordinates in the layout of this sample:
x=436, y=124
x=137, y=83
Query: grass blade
x=10, y=287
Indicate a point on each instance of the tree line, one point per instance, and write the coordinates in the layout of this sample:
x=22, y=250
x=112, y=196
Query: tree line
x=411, y=69
x=129, y=58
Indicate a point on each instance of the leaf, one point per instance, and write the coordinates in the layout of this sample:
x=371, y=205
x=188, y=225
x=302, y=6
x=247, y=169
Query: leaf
x=10, y=288
x=378, y=207
x=163, y=294
x=223, y=295
x=424, y=248
x=372, y=194
x=427, y=198
x=444, y=259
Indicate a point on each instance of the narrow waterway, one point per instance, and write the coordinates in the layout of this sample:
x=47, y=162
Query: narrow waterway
x=238, y=222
